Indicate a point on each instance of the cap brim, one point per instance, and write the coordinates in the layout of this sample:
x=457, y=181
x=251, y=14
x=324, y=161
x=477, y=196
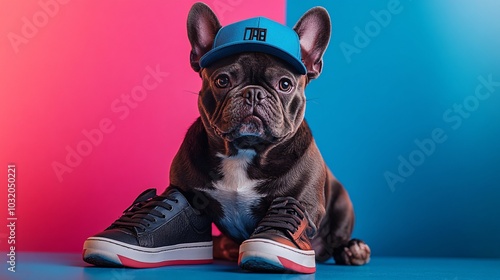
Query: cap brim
x=253, y=46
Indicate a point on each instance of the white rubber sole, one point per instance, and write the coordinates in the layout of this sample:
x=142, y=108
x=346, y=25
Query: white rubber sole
x=268, y=255
x=108, y=252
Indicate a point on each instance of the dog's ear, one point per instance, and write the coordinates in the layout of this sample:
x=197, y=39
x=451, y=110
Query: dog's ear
x=314, y=30
x=202, y=26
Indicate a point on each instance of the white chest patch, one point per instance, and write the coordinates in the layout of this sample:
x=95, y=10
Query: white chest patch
x=236, y=193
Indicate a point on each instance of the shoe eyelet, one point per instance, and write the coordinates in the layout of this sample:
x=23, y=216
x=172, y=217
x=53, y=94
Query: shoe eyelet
x=163, y=216
x=176, y=200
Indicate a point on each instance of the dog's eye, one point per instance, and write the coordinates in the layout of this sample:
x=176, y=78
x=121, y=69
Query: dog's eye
x=222, y=81
x=285, y=85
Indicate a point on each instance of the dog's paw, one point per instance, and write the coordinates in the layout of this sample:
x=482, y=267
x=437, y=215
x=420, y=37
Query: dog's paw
x=355, y=252
x=225, y=248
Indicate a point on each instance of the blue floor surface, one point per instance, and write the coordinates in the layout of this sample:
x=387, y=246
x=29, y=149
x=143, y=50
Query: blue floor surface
x=38, y=266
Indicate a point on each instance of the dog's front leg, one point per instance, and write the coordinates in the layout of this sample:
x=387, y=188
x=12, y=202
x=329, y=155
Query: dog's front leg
x=225, y=248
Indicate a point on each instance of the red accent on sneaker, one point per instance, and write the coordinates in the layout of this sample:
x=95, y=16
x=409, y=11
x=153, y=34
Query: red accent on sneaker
x=137, y=264
x=239, y=257
x=290, y=265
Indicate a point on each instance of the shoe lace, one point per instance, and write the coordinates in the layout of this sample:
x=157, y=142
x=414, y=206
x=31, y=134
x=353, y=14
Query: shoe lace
x=285, y=214
x=140, y=215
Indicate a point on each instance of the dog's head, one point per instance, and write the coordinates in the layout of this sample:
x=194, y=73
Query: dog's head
x=254, y=74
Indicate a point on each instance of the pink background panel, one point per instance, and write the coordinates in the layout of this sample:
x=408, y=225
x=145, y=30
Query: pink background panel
x=69, y=76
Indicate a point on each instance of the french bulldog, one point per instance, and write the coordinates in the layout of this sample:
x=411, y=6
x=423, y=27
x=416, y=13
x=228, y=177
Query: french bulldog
x=251, y=143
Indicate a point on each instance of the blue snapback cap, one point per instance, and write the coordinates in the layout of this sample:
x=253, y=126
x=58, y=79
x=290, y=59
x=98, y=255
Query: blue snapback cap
x=258, y=34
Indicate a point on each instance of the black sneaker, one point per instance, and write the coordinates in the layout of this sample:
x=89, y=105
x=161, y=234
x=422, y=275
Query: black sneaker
x=154, y=231
x=280, y=243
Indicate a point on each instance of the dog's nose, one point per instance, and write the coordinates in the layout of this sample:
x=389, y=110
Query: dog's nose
x=254, y=95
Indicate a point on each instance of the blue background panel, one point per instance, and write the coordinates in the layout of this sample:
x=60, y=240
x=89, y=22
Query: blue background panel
x=407, y=115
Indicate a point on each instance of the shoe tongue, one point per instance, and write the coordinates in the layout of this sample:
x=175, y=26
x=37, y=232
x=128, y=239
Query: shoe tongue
x=279, y=203
x=145, y=195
